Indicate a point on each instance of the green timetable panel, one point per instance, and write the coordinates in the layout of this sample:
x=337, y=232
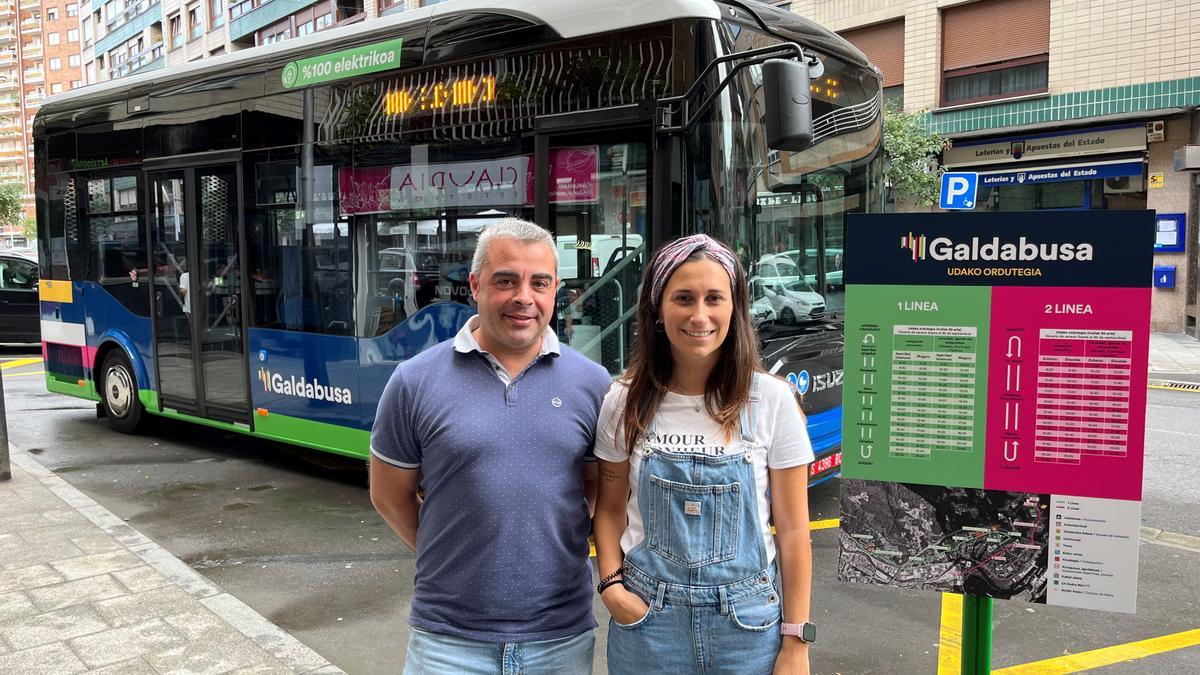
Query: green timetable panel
x=916, y=379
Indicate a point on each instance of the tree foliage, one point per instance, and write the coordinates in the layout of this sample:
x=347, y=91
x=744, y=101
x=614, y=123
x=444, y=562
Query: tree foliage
x=29, y=229
x=911, y=148
x=10, y=203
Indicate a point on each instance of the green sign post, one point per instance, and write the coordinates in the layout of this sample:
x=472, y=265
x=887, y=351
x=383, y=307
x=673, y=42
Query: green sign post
x=340, y=65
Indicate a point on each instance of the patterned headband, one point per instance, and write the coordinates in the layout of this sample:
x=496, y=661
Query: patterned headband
x=673, y=255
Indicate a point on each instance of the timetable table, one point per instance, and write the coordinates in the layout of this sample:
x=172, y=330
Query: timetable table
x=933, y=390
x=1083, y=394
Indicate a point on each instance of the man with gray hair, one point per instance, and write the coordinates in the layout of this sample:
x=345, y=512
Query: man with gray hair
x=497, y=426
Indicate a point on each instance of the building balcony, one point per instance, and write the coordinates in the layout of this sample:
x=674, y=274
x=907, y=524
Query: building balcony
x=251, y=15
x=12, y=153
x=7, y=34
x=30, y=4
x=34, y=99
x=129, y=24
x=31, y=27
x=9, y=84
x=148, y=59
x=35, y=77
x=9, y=106
x=32, y=51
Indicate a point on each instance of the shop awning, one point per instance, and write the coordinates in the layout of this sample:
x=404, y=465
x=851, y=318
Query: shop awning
x=1058, y=173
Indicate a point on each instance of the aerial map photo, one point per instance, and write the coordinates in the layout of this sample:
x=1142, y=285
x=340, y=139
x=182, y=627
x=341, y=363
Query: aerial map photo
x=983, y=542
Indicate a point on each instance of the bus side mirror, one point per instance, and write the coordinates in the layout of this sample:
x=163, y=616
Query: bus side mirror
x=789, y=105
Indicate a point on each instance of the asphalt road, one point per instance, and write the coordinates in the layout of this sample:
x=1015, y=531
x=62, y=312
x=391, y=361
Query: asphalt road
x=292, y=533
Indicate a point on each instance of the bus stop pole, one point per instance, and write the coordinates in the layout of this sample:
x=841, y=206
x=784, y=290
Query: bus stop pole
x=5, y=468
x=976, y=635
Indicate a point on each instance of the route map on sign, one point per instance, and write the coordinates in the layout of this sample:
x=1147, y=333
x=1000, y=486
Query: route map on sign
x=948, y=540
x=995, y=371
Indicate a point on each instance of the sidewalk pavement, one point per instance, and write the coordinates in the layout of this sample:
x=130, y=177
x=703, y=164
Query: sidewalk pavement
x=82, y=591
x=1174, y=356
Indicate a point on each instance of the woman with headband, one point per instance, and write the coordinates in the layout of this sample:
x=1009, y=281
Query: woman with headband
x=690, y=439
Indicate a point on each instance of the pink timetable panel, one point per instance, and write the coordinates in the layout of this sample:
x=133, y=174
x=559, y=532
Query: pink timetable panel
x=1067, y=370
x=1082, y=395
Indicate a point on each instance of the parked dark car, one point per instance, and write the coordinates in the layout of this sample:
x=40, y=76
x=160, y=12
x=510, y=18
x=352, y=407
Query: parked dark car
x=20, y=313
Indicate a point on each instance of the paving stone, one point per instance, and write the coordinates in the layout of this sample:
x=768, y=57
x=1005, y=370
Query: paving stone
x=211, y=658
x=141, y=607
x=97, y=563
x=141, y=578
x=48, y=533
x=21, y=520
x=39, y=629
x=326, y=670
x=15, y=604
x=198, y=624
x=28, y=577
x=130, y=667
x=96, y=542
x=118, y=644
x=88, y=590
x=63, y=515
x=43, y=553
x=47, y=659
x=271, y=667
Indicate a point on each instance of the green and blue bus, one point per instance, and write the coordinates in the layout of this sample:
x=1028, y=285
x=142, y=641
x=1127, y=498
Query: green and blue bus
x=254, y=241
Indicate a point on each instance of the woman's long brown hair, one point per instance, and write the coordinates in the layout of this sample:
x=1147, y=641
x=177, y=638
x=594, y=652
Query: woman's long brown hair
x=728, y=388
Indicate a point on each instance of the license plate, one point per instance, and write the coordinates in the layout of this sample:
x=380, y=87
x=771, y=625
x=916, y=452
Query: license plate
x=825, y=463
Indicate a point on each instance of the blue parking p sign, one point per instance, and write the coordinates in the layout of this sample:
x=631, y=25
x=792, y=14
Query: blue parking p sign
x=958, y=190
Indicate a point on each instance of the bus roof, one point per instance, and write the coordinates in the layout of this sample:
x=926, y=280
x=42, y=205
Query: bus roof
x=567, y=18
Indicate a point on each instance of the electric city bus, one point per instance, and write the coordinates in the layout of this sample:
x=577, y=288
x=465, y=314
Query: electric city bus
x=253, y=241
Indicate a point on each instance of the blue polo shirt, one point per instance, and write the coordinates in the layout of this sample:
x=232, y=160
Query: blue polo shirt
x=502, y=549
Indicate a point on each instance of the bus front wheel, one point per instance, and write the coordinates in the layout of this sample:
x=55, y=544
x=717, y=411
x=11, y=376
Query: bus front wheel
x=119, y=393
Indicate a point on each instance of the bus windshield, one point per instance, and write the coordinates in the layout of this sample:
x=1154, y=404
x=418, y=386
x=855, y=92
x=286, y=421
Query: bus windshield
x=784, y=212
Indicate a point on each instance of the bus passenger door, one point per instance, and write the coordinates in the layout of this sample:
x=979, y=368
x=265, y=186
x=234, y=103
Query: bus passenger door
x=198, y=300
x=592, y=190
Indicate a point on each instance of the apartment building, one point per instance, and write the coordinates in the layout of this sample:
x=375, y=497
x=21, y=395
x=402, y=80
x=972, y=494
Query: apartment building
x=1057, y=104
x=122, y=37
x=39, y=56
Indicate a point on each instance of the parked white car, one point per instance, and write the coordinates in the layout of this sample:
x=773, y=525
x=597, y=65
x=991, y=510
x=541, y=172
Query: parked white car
x=793, y=300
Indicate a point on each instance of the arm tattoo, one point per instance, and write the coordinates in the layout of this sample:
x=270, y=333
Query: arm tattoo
x=607, y=474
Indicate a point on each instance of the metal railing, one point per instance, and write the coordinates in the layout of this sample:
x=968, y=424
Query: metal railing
x=136, y=62
x=130, y=12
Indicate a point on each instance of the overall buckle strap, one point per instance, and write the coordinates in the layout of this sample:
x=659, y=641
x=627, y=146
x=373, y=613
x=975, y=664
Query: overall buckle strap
x=723, y=595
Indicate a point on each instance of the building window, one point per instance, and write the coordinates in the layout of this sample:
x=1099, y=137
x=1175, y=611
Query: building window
x=883, y=45
x=53, y=38
x=216, y=13
x=195, y=26
x=72, y=9
x=176, y=23
x=993, y=50
x=73, y=60
x=52, y=14
x=88, y=34
x=56, y=88
x=55, y=63
x=324, y=21
x=73, y=35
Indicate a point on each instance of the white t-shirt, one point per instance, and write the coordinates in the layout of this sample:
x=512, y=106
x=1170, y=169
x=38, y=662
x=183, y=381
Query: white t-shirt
x=683, y=425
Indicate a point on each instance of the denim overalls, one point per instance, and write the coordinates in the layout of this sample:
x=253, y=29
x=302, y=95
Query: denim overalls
x=702, y=567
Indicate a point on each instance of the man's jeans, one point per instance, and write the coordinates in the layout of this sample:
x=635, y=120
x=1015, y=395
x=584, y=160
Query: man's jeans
x=436, y=653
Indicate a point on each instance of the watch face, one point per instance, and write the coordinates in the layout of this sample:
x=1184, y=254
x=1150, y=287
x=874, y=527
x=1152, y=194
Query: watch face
x=808, y=632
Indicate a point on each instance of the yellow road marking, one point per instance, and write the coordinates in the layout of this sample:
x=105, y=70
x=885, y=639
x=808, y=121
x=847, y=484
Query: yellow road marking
x=17, y=363
x=1171, y=388
x=36, y=372
x=813, y=525
x=950, y=635
x=1107, y=656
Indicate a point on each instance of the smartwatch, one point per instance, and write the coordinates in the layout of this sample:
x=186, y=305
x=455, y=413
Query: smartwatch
x=807, y=632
